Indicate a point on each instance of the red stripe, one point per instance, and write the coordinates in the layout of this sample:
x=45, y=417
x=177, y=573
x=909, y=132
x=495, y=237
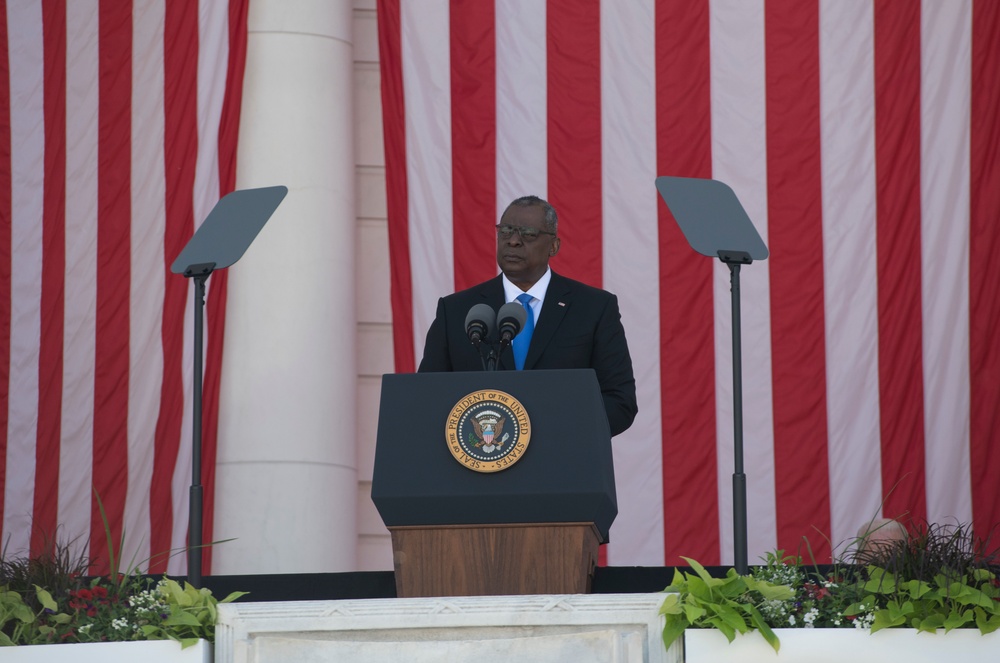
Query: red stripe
x=687, y=335
x=111, y=356
x=796, y=244
x=473, y=140
x=573, y=126
x=394, y=130
x=180, y=143
x=984, y=279
x=900, y=336
x=574, y=134
x=5, y=242
x=229, y=124
x=50, y=366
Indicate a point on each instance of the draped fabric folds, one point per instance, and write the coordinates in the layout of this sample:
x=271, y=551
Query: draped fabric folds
x=118, y=127
x=862, y=138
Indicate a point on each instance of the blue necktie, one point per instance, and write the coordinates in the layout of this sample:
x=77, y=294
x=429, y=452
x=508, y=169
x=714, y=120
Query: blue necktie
x=523, y=340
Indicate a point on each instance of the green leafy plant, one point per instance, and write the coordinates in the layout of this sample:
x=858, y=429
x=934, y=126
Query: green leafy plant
x=20, y=623
x=701, y=601
x=141, y=610
x=940, y=603
x=818, y=600
x=131, y=607
x=941, y=576
x=47, y=598
x=192, y=613
x=938, y=577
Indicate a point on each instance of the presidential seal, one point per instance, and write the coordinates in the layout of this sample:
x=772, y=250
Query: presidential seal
x=488, y=431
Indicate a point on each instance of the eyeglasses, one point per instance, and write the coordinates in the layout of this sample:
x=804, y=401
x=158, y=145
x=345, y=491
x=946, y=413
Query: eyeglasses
x=527, y=234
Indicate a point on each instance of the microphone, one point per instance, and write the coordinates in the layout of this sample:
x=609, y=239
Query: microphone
x=510, y=318
x=480, y=323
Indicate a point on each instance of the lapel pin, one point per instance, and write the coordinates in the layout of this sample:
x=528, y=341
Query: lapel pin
x=562, y=303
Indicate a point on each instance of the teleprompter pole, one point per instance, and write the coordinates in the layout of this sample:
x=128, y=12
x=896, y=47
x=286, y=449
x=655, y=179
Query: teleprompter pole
x=199, y=274
x=734, y=259
x=219, y=242
x=715, y=225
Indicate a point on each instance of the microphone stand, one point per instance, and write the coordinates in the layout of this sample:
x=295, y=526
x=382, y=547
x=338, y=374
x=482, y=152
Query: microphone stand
x=485, y=358
x=488, y=360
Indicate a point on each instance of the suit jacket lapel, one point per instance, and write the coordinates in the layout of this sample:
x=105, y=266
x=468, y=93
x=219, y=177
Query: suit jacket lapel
x=492, y=292
x=554, y=309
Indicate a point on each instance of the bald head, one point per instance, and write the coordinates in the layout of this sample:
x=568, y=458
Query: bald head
x=880, y=536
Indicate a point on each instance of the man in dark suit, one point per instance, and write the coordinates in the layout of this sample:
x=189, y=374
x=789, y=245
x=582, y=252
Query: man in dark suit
x=574, y=325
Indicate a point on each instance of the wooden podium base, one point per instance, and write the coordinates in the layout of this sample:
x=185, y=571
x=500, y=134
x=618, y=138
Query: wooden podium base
x=489, y=560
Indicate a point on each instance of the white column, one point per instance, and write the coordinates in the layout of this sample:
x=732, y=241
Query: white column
x=286, y=472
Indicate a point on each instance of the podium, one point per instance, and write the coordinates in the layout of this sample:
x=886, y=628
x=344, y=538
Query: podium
x=533, y=527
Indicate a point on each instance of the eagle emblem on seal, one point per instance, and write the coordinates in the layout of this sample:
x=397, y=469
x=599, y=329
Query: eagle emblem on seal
x=487, y=426
x=487, y=431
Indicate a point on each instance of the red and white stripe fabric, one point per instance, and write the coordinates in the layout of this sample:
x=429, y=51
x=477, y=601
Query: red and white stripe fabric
x=863, y=139
x=118, y=124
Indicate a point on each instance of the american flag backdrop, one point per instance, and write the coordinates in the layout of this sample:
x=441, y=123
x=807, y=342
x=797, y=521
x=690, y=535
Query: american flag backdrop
x=118, y=125
x=863, y=139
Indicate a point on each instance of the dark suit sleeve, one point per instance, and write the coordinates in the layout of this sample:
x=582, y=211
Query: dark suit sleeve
x=613, y=364
x=436, y=356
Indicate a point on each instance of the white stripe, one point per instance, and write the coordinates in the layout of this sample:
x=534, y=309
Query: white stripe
x=427, y=98
x=521, y=97
x=946, y=38
x=213, y=62
x=213, y=58
x=183, y=471
x=739, y=158
x=148, y=225
x=27, y=158
x=79, y=338
x=628, y=115
x=850, y=262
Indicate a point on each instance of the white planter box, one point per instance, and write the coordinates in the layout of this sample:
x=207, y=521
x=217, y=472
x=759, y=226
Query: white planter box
x=830, y=645
x=146, y=651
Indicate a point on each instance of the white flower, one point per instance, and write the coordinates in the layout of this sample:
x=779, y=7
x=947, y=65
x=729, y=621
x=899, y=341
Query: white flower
x=864, y=620
x=774, y=611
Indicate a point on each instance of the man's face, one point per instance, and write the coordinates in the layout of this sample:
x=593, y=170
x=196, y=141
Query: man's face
x=522, y=261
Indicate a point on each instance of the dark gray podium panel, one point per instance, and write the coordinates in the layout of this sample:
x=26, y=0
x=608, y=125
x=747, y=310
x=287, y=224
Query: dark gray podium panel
x=566, y=473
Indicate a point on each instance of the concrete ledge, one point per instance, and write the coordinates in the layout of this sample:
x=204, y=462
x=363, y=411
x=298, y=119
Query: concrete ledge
x=578, y=628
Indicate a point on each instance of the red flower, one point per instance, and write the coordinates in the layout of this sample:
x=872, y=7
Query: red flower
x=80, y=599
x=101, y=595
